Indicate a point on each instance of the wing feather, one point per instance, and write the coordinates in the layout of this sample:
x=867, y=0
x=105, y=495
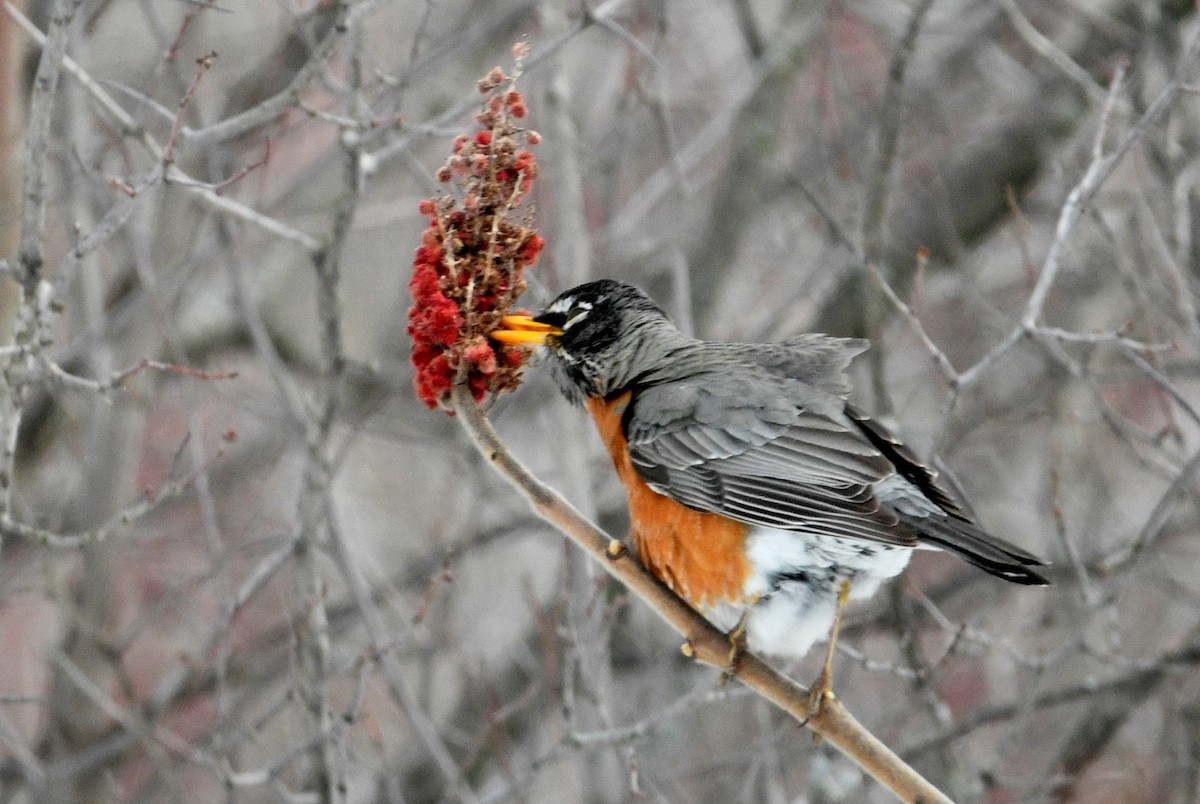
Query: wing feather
x=763, y=458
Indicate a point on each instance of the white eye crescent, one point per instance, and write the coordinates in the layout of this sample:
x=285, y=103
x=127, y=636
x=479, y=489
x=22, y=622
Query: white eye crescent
x=574, y=309
x=578, y=312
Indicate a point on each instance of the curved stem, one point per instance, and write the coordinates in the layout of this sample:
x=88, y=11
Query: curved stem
x=709, y=645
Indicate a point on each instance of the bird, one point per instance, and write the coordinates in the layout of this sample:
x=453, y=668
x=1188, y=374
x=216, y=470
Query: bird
x=757, y=491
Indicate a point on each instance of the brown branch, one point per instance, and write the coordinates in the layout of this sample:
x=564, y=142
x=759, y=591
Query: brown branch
x=704, y=641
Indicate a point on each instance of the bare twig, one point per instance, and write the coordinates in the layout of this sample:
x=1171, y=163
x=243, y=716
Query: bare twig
x=1052, y=52
x=37, y=133
x=1153, y=525
x=875, y=207
x=34, y=293
x=373, y=160
x=201, y=190
x=1100, y=168
x=315, y=509
x=203, y=65
x=939, y=357
x=1137, y=683
x=56, y=374
x=260, y=113
x=120, y=520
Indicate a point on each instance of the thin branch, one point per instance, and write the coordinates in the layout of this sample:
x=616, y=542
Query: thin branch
x=272, y=107
x=842, y=237
x=154, y=737
x=114, y=110
x=1096, y=338
x=239, y=210
x=315, y=506
x=939, y=357
x=200, y=190
x=1137, y=682
x=1052, y=52
x=34, y=293
x=875, y=207
x=1150, y=371
x=203, y=65
x=1127, y=554
x=122, y=519
x=373, y=160
x=60, y=376
x=1098, y=171
x=37, y=135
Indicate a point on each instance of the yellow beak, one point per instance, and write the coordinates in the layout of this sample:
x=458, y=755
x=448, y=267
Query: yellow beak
x=522, y=329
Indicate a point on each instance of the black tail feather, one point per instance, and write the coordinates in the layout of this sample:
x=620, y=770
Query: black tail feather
x=993, y=556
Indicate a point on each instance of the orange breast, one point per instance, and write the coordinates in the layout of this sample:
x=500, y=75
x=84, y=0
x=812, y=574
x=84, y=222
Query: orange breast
x=700, y=556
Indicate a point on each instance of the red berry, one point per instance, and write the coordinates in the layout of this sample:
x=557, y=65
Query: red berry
x=433, y=380
x=531, y=249
x=478, y=387
x=481, y=357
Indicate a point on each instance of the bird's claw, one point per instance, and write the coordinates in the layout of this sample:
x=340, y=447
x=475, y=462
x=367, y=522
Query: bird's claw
x=822, y=688
x=737, y=646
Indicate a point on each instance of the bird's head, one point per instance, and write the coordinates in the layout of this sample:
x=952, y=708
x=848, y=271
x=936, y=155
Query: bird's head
x=598, y=336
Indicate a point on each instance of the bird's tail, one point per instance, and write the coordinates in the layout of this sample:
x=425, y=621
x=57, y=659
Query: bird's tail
x=993, y=556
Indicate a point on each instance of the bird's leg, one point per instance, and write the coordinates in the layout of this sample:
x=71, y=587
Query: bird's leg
x=737, y=645
x=823, y=686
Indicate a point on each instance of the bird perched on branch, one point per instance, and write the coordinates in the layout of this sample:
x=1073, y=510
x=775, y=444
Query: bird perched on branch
x=757, y=492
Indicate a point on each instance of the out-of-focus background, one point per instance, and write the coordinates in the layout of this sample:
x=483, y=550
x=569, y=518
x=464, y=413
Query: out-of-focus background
x=256, y=568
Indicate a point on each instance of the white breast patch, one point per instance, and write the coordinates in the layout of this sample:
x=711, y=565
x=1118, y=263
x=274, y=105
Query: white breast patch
x=795, y=581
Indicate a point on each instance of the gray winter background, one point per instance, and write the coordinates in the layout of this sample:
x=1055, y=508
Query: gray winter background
x=240, y=561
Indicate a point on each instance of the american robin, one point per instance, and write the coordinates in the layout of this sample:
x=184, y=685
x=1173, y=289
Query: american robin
x=757, y=492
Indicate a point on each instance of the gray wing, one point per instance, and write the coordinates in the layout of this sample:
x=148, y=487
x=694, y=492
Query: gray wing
x=764, y=451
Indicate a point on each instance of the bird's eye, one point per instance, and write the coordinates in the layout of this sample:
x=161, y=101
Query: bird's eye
x=577, y=313
x=565, y=313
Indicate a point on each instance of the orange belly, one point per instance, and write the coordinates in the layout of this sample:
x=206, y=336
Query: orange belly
x=699, y=556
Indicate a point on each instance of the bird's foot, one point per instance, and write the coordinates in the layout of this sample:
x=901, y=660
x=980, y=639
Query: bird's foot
x=737, y=646
x=822, y=688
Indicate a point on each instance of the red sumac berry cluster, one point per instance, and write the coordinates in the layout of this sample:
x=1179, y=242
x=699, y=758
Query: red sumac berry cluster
x=468, y=269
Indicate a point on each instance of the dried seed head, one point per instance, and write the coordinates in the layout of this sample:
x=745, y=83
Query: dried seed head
x=468, y=270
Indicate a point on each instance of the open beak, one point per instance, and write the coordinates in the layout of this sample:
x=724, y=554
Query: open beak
x=523, y=329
